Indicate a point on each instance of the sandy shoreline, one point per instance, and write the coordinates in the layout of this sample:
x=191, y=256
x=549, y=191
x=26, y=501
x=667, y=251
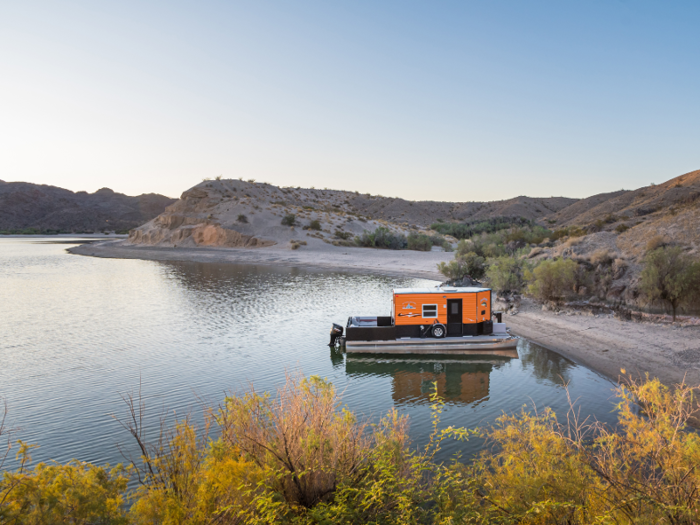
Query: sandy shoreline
x=606, y=345
x=401, y=263
x=601, y=343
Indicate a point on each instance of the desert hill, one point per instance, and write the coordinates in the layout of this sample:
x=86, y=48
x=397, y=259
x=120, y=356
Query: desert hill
x=645, y=201
x=245, y=213
x=26, y=206
x=670, y=211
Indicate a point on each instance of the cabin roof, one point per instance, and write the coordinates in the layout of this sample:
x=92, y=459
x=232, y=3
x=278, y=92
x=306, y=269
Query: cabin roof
x=440, y=290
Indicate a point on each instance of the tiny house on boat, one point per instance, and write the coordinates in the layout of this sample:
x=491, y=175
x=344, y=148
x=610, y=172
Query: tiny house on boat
x=443, y=319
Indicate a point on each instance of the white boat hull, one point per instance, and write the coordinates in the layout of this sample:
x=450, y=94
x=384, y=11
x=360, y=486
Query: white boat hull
x=504, y=345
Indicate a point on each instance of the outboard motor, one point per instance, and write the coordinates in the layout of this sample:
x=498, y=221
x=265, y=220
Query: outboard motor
x=336, y=332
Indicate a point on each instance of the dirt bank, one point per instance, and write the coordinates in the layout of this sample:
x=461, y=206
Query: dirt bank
x=606, y=344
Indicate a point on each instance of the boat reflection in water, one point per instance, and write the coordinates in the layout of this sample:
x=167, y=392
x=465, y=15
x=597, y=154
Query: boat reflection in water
x=461, y=380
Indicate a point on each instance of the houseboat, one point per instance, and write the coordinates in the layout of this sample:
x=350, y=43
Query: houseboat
x=440, y=320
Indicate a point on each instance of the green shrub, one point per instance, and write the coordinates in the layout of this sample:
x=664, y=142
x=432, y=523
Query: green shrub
x=340, y=234
x=464, y=265
x=671, y=277
x=419, y=242
x=552, y=280
x=621, y=228
x=506, y=274
x=242, y=218
x=469, y=229
x=382, y=238
x=289, y=220
x=315, y=225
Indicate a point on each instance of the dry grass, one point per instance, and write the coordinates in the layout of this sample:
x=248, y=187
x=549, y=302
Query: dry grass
x=657, y=241
x=602, y=256
x=572, y=241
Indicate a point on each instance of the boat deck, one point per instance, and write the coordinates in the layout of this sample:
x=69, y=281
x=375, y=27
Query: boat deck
x=503, y=345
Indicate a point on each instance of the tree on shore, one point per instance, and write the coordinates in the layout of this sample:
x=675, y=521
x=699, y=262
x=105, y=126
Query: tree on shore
x=670, y=276
x=506, y=274
x=552, y=280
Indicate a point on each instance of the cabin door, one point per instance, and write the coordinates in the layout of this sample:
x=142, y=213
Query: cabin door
x=454, y=317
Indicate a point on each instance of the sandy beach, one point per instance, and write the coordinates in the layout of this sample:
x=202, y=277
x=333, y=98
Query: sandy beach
x=606, y=344
x=319, y=256
x=602, y=343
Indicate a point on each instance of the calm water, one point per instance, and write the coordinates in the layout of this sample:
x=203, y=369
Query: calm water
x=76, y=333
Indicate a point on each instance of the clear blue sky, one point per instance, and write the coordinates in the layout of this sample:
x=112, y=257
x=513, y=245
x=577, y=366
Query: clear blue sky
x=423, y=100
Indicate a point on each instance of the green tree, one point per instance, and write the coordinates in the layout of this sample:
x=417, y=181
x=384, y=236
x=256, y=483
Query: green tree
x=552, y=280
x=506, y=274
x=467, y=265
x=670, y=276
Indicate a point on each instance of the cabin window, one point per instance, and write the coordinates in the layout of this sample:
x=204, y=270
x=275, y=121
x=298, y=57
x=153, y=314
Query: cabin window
x=430, y=310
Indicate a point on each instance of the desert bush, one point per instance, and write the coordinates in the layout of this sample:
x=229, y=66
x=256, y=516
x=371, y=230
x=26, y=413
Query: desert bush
x=77, y=493
x=469, y=229
x=534, y=252
x=382, y=238
x=641, y=471
x=602, y=256
x=569, y=231
x=670, y=276
x=289, y=220
x=466, y=265
x=301, y=437
x=656, y=242
x=419, y=242
x=552, y=280
x=298, y=457
x=506, y=274
x=242, y=218
x=649, y=464
x=343, y=235
x=622, y=228
x=315, y=225
x=536, y=473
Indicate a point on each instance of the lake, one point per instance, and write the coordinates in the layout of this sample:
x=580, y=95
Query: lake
x=77, y=333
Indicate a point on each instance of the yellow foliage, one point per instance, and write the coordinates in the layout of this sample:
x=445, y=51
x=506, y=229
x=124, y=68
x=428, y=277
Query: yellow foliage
x=77, y=493
x=192, y=484
x=300, y=458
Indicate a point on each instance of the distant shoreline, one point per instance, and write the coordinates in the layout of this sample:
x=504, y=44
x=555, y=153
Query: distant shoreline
x=603, y=344
x=110, y=236
x=395, y=263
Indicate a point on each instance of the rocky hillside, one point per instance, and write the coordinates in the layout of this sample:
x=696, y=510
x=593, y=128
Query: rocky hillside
x=670, y=210
x=239, y=213
x=25, y=206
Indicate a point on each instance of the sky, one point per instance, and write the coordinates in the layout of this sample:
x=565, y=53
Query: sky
x=456, y=101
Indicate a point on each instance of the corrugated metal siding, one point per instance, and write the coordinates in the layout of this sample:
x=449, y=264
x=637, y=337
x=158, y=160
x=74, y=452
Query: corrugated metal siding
x=469, y=308
x=413, y=304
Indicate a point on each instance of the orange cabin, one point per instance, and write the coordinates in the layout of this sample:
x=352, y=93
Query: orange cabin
x=462, y=310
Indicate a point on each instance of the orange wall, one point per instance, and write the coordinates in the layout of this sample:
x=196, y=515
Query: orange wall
x=483, y=305
x=470, y=313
